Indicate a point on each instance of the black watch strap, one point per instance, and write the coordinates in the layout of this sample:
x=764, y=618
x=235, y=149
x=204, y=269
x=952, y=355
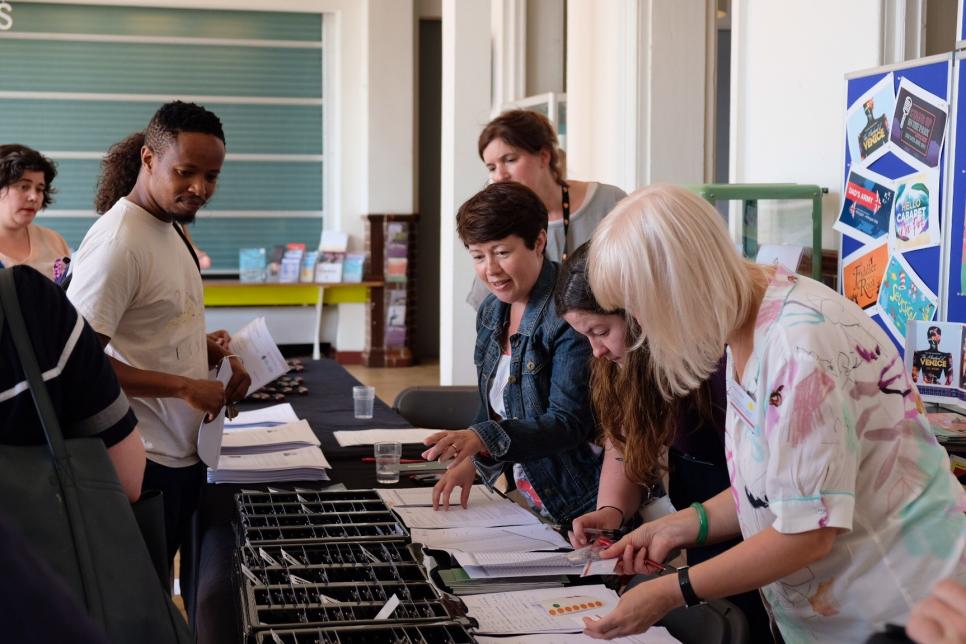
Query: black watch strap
x=684, y=580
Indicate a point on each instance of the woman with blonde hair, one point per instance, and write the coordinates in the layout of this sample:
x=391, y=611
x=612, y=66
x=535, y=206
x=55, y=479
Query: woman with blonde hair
x=846, y=502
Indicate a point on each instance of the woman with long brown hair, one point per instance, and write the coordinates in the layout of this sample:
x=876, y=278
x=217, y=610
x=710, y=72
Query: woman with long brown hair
x=645, y=435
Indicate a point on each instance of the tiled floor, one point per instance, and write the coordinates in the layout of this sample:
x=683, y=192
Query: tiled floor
x=390, y=381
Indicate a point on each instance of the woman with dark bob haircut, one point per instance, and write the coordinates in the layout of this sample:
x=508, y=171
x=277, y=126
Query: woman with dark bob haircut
x=534, y=421
x=25, y=189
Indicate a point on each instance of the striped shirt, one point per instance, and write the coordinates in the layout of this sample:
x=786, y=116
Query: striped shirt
x=80, y=380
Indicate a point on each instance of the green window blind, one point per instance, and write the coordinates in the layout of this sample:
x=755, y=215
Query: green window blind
x=94, y=74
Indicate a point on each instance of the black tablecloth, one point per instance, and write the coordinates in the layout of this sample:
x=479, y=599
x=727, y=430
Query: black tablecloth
x=328, y=407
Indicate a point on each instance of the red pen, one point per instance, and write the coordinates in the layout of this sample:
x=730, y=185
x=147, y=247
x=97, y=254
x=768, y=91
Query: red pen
x=370, y=459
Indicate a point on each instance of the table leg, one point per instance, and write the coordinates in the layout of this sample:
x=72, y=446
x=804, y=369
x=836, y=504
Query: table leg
x=316, y=350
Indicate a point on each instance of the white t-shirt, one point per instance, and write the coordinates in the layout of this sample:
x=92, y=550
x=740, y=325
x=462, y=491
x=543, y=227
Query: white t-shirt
x=826, y=429
x=135, y=282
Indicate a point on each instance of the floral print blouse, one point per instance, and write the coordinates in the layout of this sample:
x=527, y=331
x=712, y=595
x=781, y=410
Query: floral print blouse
x=826, y=429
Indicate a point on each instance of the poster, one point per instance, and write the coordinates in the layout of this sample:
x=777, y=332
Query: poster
x=915, y=217
x=868, y=121
x=867, y=207
x=862, y=273
x=934, y=360
x=903, y=297
x=918, y=125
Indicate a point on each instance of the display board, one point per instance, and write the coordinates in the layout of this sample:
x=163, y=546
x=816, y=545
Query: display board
x=955, y=295
x=893, y=186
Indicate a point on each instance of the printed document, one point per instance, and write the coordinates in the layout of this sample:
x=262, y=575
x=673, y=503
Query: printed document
x=371, y=436
x=255, y=346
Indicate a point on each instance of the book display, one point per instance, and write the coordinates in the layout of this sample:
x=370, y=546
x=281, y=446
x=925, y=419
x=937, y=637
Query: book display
x=392, y=243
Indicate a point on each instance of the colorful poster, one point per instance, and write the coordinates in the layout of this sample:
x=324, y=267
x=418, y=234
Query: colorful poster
x=867, y=122
x=867, y=207
x=915, y=217
x=918, y=125
x=934, y=360
x=862, y=273
x=903, y=297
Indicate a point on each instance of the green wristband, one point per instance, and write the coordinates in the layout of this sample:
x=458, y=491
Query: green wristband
x=702, y=524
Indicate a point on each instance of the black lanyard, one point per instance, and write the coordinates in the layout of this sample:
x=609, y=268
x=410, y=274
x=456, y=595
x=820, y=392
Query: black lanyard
x=191, y=249
x=565, y=204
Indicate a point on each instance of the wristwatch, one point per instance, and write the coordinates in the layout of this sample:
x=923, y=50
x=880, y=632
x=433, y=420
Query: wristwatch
x=684, y=580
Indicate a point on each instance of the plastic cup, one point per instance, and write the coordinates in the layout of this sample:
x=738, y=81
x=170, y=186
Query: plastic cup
x=387, y=455
x=363, y=398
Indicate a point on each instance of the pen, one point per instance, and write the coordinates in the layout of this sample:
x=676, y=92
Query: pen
x=370, y=459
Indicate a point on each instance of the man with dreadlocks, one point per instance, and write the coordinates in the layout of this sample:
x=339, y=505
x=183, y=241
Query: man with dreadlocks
x=137, y=282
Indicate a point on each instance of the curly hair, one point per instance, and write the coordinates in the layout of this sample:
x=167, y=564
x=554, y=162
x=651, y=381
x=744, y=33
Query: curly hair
x=16, y=159
x=529, y=131
x=122, y=163
x=631, y=411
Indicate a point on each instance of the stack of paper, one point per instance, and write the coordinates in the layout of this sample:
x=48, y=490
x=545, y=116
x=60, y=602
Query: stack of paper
x=268, y=445
x=371, y=436
x=949, y=427
x=653, y=635
x=460, y=583
x=485, y=514
x=484, y=565
x=514, y=538
x=260, y=440
x=302, y=464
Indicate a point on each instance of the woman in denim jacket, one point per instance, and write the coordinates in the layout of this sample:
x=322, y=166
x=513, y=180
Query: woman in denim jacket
x=535, y=420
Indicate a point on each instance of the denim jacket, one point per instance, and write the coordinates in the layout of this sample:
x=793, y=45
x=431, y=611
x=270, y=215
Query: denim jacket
x=549, y=425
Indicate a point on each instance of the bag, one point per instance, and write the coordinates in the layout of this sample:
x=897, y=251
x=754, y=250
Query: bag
x=65, y=497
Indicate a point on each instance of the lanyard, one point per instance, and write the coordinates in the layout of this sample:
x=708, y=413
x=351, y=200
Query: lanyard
x=191, y=250
x=565, y=204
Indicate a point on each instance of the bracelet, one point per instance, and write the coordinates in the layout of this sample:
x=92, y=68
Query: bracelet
x=702, y=524
x=687, y=591
x=614, y=507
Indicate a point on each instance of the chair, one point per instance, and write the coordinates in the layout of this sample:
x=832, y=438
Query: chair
x=438, y=407
x=717, y=622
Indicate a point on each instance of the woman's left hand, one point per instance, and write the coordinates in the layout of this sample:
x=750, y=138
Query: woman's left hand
x=638, y=609
x=453, y=446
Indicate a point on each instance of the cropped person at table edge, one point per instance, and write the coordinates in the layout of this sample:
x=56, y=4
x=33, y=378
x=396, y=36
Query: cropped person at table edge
x=137, y=283
x=534, y=419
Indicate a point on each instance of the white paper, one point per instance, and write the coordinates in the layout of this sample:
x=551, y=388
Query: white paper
x=255, y=346
x=301, y=457
x=333, y=241
x=653, y=635
x=280, y=414
x=519, y=538
x=371, y=436
x=210, y=434
x=423, y=496
x=788, y=255
x=528, y=611
x=484, y=565
x=499, y=512
x=263, y=439
x=387, y=610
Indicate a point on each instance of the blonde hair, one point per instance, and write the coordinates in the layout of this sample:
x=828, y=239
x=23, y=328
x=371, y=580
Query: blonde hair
x=664, y=255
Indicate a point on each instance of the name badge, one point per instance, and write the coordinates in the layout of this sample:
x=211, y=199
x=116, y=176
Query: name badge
x=742, y=402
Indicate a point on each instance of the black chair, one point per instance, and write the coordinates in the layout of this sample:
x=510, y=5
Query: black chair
x=717, y=622
x=438, y=407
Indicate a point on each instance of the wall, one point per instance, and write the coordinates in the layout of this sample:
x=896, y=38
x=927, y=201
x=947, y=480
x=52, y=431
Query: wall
x=546, y=46
x=789, y=59
x=369, y=141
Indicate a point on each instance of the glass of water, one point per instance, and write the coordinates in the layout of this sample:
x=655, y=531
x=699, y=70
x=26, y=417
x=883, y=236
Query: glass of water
x=387, y=455
x=363, y=398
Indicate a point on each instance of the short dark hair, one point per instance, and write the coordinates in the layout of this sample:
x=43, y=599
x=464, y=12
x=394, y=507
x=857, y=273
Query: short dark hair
x=122, y=163
x=572, y=292
x=528, y=130
x=934, y=329
x=16, y=159
x=500, y=210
